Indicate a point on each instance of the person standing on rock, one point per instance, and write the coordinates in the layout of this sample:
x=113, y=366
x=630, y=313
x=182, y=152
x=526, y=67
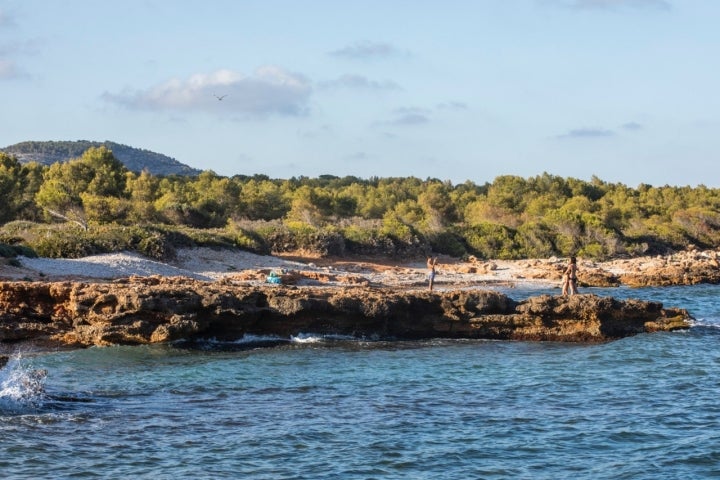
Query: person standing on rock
x=431, y=264
x=570, y=278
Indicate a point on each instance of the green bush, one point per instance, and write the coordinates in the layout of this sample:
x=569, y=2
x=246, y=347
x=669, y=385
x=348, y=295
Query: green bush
x=17, y=227
x=592, y=250
x=71, y=241
x=63, y=245
x=566, y=245
x=363, y=235
x=245, y=238
x=252, y=242
x=15, y=250
x=447, y=243
x=395, y=228
x=209, y=238
x=490, y=240
x=535, y=240
x=156, y=246
x=6, y=251
x=300, y=236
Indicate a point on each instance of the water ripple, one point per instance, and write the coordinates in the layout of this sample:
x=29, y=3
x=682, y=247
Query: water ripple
x=643, y=407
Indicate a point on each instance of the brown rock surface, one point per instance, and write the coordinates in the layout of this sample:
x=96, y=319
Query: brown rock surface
x=142, y=310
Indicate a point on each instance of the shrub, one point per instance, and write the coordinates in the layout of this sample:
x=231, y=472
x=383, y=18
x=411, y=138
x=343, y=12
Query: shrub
x=300, y=236
x=490, y=240
x=251, y=241
x=447, y=243
x=11, y=251
x=535, y=240
x=247, y=237
x=6, y=251
x=393, y=227
x=592, y=250
x=63, y=245
x=156, y=246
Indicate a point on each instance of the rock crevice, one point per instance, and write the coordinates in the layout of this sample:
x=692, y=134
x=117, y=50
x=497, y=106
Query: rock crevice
x=154, y=309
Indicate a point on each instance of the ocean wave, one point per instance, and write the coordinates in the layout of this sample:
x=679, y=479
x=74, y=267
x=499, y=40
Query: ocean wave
x=22, y=387
x=259, y=339
x=303, y=338
x=252, y=342
x=705, y=323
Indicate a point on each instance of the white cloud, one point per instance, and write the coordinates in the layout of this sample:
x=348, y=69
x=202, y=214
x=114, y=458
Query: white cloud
x=586, y=132
x=452, y=105
x=270, y=90
x=359, y=82
x=6, y=20
x=8, y=69
x=632, y=126
x=358, y=157
x=367, y=50
x=411, y=116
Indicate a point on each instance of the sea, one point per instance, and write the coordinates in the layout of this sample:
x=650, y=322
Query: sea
x=318, y=407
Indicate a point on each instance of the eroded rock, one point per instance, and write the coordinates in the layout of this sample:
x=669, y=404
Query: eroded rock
x=142, y=310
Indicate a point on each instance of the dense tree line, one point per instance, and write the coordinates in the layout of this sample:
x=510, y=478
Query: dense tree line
x=512, y=217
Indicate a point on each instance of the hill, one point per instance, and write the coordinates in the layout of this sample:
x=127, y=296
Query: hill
x=134, y=159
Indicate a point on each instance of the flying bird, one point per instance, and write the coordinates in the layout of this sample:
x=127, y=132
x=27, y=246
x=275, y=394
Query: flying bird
x=220, y=97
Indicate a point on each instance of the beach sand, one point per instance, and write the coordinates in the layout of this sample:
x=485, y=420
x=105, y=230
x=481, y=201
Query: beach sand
x=210, y=264
x=234, y=265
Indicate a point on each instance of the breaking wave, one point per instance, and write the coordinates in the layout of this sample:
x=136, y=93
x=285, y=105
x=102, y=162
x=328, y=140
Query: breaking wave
x=22, y=388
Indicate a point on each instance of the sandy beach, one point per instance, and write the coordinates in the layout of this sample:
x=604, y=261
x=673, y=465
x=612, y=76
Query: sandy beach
x=238, y=266
x=210, y=264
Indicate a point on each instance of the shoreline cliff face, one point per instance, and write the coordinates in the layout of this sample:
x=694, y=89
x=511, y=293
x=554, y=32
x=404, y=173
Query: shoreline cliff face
x=142, y=310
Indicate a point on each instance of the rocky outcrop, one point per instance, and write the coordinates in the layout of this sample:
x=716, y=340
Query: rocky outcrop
x=682, y=268
x=158, y=309
x=685, y=268
x=689, y=267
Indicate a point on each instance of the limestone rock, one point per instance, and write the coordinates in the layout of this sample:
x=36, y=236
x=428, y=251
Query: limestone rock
x=142, y=310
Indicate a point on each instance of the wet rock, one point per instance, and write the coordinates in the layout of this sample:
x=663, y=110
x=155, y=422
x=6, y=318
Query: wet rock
x=155, y=309
x=598, y=277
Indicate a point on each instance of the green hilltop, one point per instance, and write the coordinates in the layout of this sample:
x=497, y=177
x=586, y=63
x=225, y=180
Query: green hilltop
x=134, y=159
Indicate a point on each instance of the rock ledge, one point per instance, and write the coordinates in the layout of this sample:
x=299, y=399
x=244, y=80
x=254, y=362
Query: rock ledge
x=141, y=310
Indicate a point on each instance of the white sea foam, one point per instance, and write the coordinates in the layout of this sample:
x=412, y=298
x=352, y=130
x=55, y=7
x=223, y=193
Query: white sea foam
x=259, y=339
x=299, y=338
x=318, y=338
x=705, y=323
x=306, y=338
x=20, y=385
x=244, y=340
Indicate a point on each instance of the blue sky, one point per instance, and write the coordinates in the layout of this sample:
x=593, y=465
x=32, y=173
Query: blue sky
x=626, y=90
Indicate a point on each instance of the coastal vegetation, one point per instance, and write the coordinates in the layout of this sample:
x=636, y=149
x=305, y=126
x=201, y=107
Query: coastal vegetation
x=95, y=204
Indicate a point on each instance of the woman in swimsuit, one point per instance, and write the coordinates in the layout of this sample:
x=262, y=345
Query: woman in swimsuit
x=570, y=278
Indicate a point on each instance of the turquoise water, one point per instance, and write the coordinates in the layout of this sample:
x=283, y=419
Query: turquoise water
x=644, y=407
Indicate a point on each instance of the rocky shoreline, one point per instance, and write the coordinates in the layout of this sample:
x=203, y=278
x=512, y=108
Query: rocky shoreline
x=205, y=293
x=142, y=310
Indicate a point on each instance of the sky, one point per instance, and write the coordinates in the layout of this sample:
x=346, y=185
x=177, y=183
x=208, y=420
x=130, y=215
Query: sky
x=623, y=90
